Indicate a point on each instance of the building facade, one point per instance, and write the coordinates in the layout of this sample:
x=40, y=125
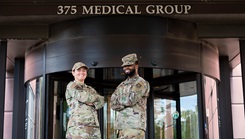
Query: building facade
x=191, y=52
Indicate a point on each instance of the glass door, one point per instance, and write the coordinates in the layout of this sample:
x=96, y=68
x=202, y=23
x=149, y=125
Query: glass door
x=109, y=117
x=174, y=109
x=104, y=81
x=60, y=110
x=175, y=105
x=164, y=123
x=189, y=110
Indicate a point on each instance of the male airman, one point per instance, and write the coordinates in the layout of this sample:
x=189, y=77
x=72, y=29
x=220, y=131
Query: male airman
x=129, y=100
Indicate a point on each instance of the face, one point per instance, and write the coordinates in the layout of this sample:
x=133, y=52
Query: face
x=130, y=70
x=80, y=74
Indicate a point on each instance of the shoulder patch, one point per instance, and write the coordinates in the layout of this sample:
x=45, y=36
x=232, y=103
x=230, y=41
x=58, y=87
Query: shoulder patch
x=73, y=85
x=138, y=85
x=76, y=86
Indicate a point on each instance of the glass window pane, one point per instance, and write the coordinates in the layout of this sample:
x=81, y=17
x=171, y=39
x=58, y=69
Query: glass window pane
x=61, y=111
x=189, y=110
x=38, y=107
x=113, y=73
x=162, y=72
x=109, y=117
x=30, y=114
x=33, y=118
x=91, y=73
x=210, y=89
x=164, y=124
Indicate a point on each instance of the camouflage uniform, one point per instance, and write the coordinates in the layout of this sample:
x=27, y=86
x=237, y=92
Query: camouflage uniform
x=83, y=122
x=129, y=100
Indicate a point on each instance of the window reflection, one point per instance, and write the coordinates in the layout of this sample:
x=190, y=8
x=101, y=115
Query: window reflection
x=189, y=110
x=164, y=124
x=33, y=118
x=91, y=73
x=109, y=117
x=166, y=115
x=189, y=117
x=113, y=73
x=61, y=112
x=162, y=72
x=210, y=89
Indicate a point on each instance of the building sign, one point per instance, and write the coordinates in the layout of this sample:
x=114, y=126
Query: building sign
x=96, y=8
x=123, y=9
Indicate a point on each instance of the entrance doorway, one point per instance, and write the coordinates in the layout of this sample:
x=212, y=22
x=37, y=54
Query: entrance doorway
x=172, y=111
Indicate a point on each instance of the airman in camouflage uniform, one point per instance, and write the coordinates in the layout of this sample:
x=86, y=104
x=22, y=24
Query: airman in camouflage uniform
x=84, y=102
x=129, y=100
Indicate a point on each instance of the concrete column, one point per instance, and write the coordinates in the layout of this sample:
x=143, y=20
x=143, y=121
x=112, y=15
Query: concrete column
x=242, y=54
x=3, y=54
x=224, y=103
x=18, y=129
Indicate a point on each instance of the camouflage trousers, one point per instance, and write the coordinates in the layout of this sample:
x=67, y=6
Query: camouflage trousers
x=131, y=134
x=84, y=132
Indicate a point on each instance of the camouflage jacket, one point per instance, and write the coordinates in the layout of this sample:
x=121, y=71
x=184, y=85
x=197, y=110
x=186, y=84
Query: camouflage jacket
x=84, y=102
x=129, y=100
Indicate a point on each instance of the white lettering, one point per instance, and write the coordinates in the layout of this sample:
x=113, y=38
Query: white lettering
x=150, y=9
x=169, y=9
x=187, y=8
x=60, y=10
x=136, y=9
x=178, y=9
x=118, y=9
x=113, y=9
x=66, y=9
x=129, y=10
x=87, y=11
x=159, y=9
x=73, y=9
x=106, y=9
x=123, y=9
x=97, y=9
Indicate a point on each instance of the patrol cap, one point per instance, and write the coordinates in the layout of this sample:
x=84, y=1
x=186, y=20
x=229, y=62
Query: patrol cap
x=129, y=59
x=79, y=65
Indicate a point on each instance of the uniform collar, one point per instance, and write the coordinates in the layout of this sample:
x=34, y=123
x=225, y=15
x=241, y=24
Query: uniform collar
x=132, y=79
x=81, y=84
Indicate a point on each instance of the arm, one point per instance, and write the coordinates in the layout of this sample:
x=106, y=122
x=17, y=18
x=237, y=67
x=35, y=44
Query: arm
x=83, y=95
x=115, y=104
x=100, y=100
x=138, y=91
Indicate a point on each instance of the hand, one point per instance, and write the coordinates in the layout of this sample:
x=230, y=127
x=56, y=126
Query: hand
x=90, y=104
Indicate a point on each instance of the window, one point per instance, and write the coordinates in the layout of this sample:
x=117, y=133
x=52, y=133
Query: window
x=33, y=118
x=210, y=89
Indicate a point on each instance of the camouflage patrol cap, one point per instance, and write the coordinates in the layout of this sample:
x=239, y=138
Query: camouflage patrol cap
x=79, y=65
x=129, y=59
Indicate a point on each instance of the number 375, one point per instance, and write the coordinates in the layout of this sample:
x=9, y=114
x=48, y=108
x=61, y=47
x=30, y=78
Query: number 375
x=66, y=9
